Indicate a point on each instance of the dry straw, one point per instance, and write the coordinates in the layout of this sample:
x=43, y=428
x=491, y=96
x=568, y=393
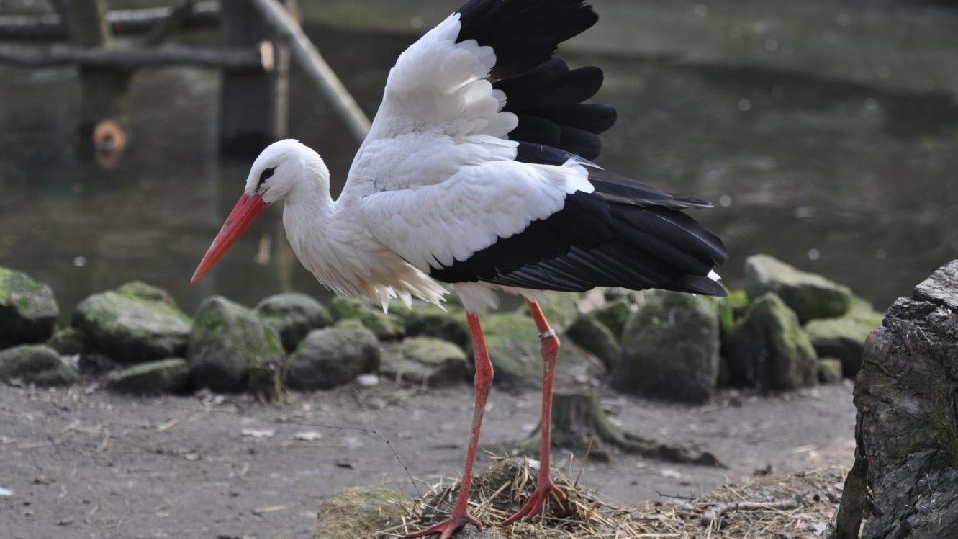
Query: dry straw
x=797, y=506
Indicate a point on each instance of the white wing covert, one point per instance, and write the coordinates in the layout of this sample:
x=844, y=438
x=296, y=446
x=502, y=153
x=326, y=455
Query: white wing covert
x=436, y=179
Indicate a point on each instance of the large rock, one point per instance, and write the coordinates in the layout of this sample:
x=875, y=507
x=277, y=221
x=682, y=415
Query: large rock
x=903, y=482
x=331, y=357
x=447, y=322
x=670, y=348
x=134, y=323
x=384, y=325
x=293, y=316
x=424, y=360
x=164, y=376
x=361, y=512
x=226, y=342
x=28, y=309
x=516, y=354
x=614, y=315
x=595, y=337
x=768, y=348
x=809, y=295
x=35, y=364
x=844, y=337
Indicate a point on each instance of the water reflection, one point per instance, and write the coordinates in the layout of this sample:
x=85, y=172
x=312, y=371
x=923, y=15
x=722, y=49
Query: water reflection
x=836, y=178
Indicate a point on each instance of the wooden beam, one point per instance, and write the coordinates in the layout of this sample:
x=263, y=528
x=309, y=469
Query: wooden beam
x=315, y=66
x=253, y=106
x=50, y=27
x=235, y=59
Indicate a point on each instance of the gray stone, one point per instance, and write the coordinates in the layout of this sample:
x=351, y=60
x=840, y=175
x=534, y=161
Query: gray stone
x=134, y=323
x=424, y=360
x=293, y=316
x=332, y=357
x=36, y=364
x=844, y=337
x=614, y=315
x=768, y=348
x=361, y=512
x=516, y=354
x=829, y=370
x=670, y=348
x=811, y=296
x=595, y=337
x=447, y=323
x=164, y=376
x=67, y=341
x=28, y=310
x=908, y=417
x=228, y=340
x=385, y=326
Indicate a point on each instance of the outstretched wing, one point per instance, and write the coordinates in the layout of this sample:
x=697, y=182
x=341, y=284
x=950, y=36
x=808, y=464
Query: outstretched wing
x=476, y=167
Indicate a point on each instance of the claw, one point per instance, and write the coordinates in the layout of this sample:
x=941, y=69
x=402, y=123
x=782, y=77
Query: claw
x=447, y=527
x=534, y=505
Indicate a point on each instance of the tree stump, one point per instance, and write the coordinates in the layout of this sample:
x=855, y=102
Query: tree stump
x=579, y=423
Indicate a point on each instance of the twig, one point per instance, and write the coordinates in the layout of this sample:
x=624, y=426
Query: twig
x=716, y=511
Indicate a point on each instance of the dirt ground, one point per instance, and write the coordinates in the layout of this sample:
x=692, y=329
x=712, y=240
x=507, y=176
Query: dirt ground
x=93, y=464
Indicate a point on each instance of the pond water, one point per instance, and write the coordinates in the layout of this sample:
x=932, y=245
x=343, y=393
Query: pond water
x=850, y=181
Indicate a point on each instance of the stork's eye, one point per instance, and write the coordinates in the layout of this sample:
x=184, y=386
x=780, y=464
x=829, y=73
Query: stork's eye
x=267, y=174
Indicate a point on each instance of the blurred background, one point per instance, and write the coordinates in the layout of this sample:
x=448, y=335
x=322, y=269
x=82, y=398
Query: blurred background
x=824, y=131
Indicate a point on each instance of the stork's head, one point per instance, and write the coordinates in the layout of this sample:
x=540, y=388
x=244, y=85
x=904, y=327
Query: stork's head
x=281, y=169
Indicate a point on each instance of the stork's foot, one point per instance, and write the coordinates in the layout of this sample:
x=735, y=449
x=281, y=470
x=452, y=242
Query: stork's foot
x=534, y=505
x=447, y=527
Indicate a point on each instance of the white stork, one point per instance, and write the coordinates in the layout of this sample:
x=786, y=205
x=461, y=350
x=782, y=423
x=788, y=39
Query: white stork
x=477, y=172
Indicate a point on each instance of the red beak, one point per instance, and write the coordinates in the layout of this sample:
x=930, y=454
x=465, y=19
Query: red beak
x=242, y=214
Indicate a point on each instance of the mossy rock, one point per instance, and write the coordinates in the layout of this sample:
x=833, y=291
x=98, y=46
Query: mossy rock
x=226, y=342
x=146, y=292
x=154, y=377
x=595, y=337
x=811, y=296
x=516, y=354
x=332, y=357
x=829, y=370
x=385, y=326
x=844, y=337
x=769, y=350
x=36, y=364
x=424, y=360
x=28, y=310
x=361, y=512
x=293, y=316
x=447, y=322
x=614, y=315
x=67, y=341
x=134, y=323
x=670, y=348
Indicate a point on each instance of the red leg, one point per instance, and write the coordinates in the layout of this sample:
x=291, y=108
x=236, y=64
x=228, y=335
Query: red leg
x=483, y=380
x=544, y=485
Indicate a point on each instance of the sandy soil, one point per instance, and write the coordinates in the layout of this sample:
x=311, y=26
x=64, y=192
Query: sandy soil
x=93, y=464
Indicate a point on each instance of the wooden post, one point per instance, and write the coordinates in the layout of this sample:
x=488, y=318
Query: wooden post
x=104, y=105
x=315, y=67
x=253, y=105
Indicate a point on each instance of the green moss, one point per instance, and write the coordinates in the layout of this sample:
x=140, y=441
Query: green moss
x=32, y=301
x=145, y=292
x=360, y=512
x=811, y=296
